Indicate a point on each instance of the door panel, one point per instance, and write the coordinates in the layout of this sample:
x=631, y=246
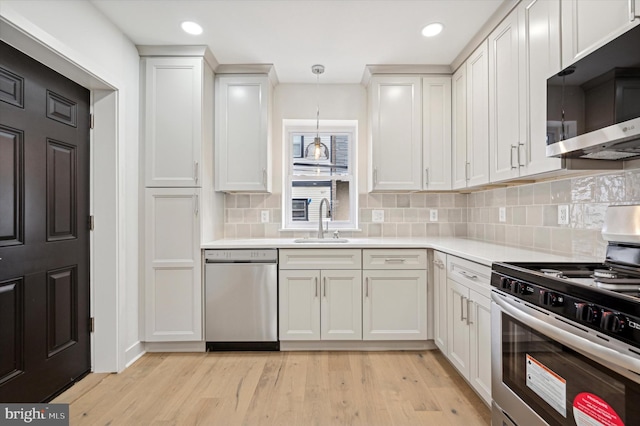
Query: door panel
x=44, y=240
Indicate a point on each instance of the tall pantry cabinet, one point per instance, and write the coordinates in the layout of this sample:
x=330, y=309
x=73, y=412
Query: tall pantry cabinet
x=177, y=95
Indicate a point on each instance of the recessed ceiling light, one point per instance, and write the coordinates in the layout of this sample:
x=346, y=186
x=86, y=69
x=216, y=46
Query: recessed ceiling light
x=432, y=29
x=192, y=28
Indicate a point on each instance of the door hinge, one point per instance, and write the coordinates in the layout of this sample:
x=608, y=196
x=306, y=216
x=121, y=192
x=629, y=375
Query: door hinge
x=91, y=121
x=91, y=223
x=91, y=325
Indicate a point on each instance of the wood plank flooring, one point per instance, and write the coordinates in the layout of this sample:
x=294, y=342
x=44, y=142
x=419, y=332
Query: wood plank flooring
x=279, y=388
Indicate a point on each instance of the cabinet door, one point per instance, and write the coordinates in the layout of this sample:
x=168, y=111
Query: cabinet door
x=172, y=121
x=480, y=344
x=436, y=132
x=173, y=288
x=540, y=25
x=459, y=127
x=242, y=133
x=299, y=304
x=458, y=329
x=396, y=133
x=341, y=305
x=394, y=305
x=587, y=25
x=440, y=319
x=478, y=117
x=506, y=127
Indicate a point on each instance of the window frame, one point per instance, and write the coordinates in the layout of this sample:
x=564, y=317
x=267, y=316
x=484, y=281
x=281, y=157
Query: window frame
x=291, y=127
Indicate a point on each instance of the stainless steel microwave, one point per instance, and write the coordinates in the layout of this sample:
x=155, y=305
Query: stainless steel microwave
x=593, y=106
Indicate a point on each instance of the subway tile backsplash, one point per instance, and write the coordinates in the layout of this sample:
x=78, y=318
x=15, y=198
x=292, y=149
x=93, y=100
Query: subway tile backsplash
x=531, y=214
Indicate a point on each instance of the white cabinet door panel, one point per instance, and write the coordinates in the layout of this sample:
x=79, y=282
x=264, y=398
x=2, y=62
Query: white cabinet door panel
x=436, y=132
x=341, y=305
x=173, y=290
x=394, y=305
x=478, y=116
x=459, y=128
x=173, y=121
x=458, y=329
x=480, y=344
x=299, y=305
x=440, y=319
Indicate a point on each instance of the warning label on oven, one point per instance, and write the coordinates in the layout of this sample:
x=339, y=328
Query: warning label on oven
x=547, y=385
x=591, y=410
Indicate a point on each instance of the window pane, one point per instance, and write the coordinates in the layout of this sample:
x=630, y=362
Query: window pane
x=307, y=163
x=311, y=193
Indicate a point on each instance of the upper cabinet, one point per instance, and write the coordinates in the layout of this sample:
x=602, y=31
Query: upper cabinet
x=410, y=118
x=587, y=25
x=396, y=133
x=242, y=133
x=173, y=120
x=471, y=120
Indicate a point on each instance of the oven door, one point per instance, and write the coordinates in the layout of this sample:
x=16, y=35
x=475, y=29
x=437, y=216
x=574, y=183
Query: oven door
x=546, y=370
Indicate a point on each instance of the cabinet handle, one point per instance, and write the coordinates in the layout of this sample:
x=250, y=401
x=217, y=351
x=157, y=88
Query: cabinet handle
x=512, y=148
x=520, y=147
x=467, y=166
x=195, y=171
x=632, y=11
x=366, y=287
x=469, y=304
x=375, y=176
x=316, y=278
x=440, y=264
x=324, y=286
x=467, y=275
x=462, y=318
x=264, y=178
x=426, y=177
x=395, y=260
x=196, y=208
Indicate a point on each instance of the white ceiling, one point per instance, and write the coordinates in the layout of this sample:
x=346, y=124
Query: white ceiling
x=343, y=35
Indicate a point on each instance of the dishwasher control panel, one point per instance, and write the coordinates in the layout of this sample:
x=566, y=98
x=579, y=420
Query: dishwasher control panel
x=241, y=255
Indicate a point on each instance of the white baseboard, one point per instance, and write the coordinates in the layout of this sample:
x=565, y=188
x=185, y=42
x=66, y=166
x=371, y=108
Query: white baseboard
x=333, y=345
x=175, y=346
x=133, y=353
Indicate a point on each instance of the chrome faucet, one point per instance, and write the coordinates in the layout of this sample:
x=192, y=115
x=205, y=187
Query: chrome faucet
x=320, y=230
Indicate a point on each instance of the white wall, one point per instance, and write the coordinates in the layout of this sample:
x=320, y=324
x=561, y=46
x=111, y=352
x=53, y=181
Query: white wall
x=337, y=102
x=75, y=39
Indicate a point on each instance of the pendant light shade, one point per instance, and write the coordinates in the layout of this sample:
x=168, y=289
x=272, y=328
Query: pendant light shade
x=317, y=150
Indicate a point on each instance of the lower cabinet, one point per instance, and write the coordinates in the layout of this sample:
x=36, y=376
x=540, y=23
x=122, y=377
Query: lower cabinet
x=468, y=317
x=440, y=300
x=320, y=304
x=173, y=284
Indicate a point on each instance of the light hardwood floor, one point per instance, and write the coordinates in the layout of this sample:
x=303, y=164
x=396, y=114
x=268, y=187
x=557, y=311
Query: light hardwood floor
x=279, y=388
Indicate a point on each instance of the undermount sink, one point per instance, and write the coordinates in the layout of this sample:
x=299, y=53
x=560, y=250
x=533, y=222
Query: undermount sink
x=321, y=240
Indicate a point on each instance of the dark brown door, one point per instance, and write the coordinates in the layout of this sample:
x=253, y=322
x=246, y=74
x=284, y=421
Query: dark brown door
x=44, y=241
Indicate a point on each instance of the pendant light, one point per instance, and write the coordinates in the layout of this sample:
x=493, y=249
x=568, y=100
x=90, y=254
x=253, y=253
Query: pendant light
x=317, y=150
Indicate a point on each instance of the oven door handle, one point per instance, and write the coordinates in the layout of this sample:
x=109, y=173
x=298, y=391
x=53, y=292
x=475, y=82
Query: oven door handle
x=564, y=337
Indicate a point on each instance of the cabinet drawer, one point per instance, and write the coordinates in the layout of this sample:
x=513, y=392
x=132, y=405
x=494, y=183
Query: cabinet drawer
x=473, y=275
x=394, y=259
x=320, y=259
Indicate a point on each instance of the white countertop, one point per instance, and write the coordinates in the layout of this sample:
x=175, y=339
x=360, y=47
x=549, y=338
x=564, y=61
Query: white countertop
x=474, y=250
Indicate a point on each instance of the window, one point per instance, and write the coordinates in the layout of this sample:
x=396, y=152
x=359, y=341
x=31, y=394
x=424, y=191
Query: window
x=309, y=180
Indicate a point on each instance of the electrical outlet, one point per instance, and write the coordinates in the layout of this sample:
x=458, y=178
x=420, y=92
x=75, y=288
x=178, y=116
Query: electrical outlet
x=433, y=215
x=563, y=214
x=377, y=216
x=264, y=216
x=502, y=214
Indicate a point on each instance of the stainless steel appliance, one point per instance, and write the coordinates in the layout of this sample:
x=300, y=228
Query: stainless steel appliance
x=241, y=299
x=593, y=106
x=566, y=337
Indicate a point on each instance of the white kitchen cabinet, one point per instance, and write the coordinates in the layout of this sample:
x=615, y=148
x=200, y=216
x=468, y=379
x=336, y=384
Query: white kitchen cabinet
x=395, y=111
x=242, y=133
x=506, y=100
x=320, y=304
x=587, y=25
x=173, y=290
x=436, y=132
x=173, y=120
x=540, y=29
x=470, y=105
x=394, y=303
x=440, y=319
x=469, y=323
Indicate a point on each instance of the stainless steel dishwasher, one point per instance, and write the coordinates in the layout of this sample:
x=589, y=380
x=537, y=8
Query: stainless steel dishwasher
x=241, y=300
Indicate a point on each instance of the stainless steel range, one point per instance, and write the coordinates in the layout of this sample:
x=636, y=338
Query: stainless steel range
x=566, y=336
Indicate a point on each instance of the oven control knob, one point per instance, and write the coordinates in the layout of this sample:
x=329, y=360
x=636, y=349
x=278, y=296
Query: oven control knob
x=505, y=283
x=549, y=298
x=611, y=322
x=523, y=289
x=587, y=312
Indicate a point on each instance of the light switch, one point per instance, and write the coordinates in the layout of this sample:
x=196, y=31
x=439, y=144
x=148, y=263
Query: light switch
x=433, y=215
x=502, y=214
x=264, y=216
